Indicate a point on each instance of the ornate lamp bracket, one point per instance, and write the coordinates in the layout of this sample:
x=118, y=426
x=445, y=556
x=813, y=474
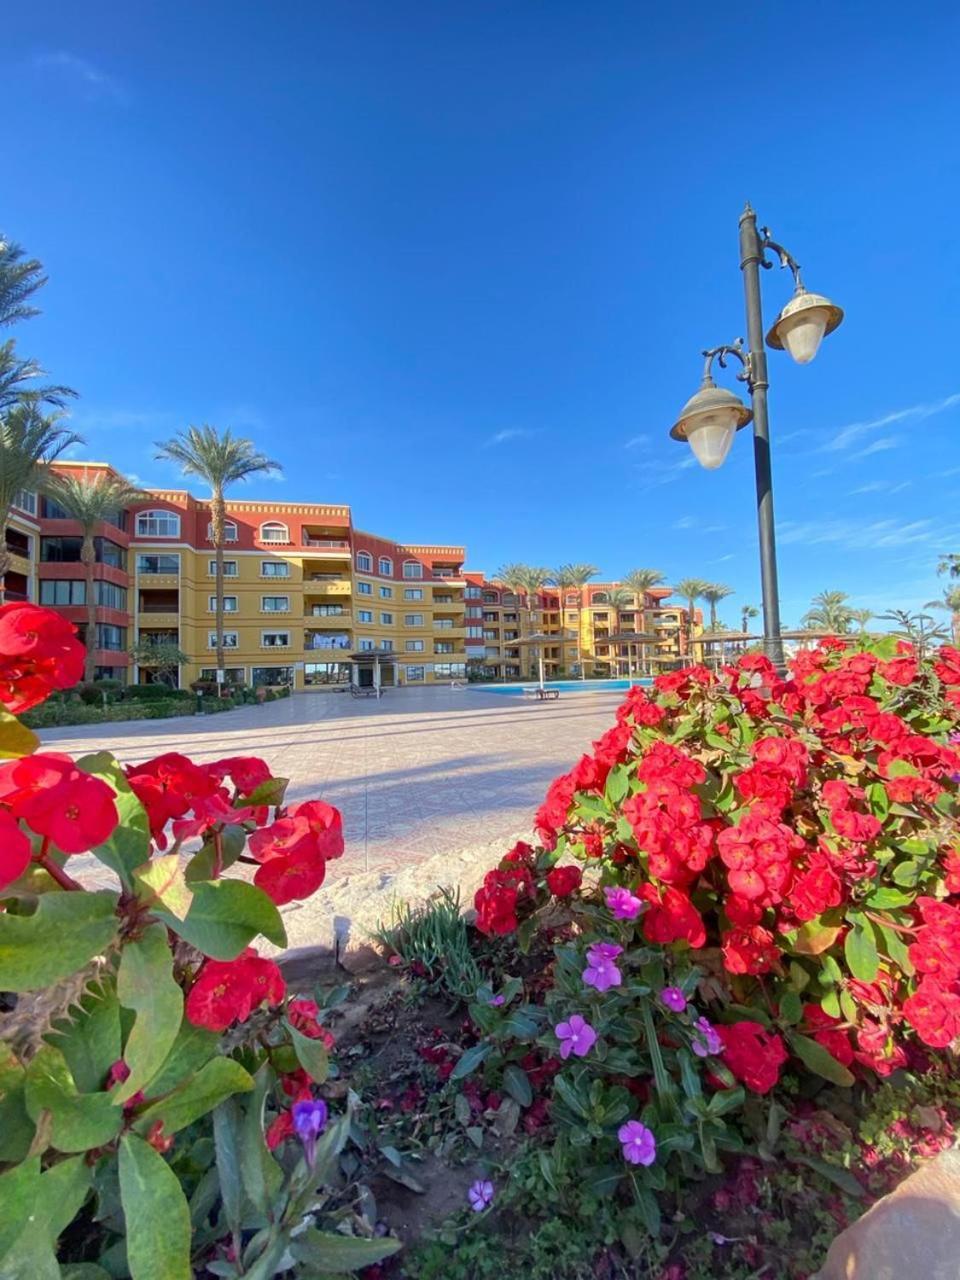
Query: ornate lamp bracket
x=721, y=354
x=786, y=257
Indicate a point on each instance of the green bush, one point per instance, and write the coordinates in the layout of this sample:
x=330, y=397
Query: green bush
x=52, y=714
x=154, y=693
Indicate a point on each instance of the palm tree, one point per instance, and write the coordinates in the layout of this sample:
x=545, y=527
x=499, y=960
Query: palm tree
x=950, y=601
x=950, y=563
x=535, y=579
x=619, y=599
x=641, y=581
x=29, y=442
x=829, y=611
x=567, y=578
x=90, y=499
x=20, y=278
x=690, y=590
x=861, y=617
x=513, y=576
x=221, y=459
x=713, y=593
x=16, y=382
x=747, y=612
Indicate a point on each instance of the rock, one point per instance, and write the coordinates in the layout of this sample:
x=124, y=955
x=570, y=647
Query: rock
x=911, y=1234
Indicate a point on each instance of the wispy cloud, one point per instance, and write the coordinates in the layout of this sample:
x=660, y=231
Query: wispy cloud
x=849, y=435
x=880, y=446
x=884, y=486
x=123, y=419
x=638, y=442
x=90, y=79
x=685, y=522
x=855, y=535
x=503, y=437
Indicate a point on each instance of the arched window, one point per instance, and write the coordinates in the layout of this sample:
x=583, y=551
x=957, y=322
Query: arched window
x=412, y=569
x=229, y=531
x=274, y=531
x=364, y=562
x=600, y=597
x=385, y=567
x=158, y=524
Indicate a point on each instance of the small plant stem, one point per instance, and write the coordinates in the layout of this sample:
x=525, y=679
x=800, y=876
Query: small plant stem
x=217, y=854
x=57, y=873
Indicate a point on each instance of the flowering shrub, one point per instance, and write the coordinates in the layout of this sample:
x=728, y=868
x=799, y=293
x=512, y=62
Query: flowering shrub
x=777, y=881
x=144, y=1014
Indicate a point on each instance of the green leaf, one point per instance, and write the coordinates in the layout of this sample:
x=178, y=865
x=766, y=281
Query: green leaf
x=819, y=1060
x=568, y=1095
x=226, y=1139
x=261, y=1174
x=16, y=1127
x=225, y=916
x=83, y=1271
x=648, y=1208
x=878, y=799
x=725, y=1100
x=618, y=783
x=89, y=1037
x=156, y=1214
x=860, y=948
x=15, y=738
x=192, y=1048
x=129, y=843
x=63, y=934
x=19, y=1189
x=233, y=841
x=896, y=948
x=842, y=1178
x=906, y=874
x=517, y=1084
x=661, y=1079
x=886, y=899
x=470, y=1060
x=601, y=1179
x=311, y=1054
x=814, y=937
x=270, y=792
x=145, y=983
x=830, y=1004
x=63, y=1189
x=161, y=880
x=689, y=1078
x=325, y=1251
x=196, y=1095
x=79, y=1120
x=791, y=1007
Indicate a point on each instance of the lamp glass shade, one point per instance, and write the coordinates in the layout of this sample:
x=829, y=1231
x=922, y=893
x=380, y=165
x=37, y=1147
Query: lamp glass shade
x=711, y=435
x=802, y=333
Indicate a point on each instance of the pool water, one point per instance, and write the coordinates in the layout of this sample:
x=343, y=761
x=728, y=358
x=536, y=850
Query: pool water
x=565, y=686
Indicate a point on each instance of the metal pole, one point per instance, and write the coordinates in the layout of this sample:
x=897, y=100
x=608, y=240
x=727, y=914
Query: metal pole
x=751, y=255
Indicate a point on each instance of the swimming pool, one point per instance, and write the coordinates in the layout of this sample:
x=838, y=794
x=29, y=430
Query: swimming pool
x=565, y=686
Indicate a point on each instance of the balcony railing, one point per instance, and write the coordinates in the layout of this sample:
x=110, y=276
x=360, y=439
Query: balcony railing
x=328, y=544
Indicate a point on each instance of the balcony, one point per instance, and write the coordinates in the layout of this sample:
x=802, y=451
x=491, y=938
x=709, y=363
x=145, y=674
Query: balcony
x=157, y=619
x=327, y=584
x=318, y=641
x=325, y=548
x=328, y=615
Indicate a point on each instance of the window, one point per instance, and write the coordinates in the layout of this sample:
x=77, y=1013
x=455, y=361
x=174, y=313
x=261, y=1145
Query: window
x=229, y=531
x=386, y=593
x=326, y=673
x=111, y=637
x=443, y=646
x=327, y=611
x=67, y=551
x=271, y=675
x=231, y=640
x=18, y=543
x=275, y=639
x=600, y=597
x=489, y=597
x=274, y=569
x=413, y=646
x=63, y=593
x=26, y=501
x=111, y=673
x=414, y=675
x=386, y=619
x=233, y=675
x=385, y=567
x=275, y=604
x=443, y=624
x=364, y=589
x=413, y=593
x=109, y=595
x=157, y=564
x=449, y=670
x=274, y=531
x=412, y=569
x=230, y=569
x=364, y=615
x=366, y=645
x=364, y=562
x=478, y=633
x=386, y=646
x=413, y=619
x=473, y=593
x=474, y=611
x=158, y=524
x=229, y=604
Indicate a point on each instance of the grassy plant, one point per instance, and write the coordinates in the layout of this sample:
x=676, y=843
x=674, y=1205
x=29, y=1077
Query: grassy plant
x=432, y=941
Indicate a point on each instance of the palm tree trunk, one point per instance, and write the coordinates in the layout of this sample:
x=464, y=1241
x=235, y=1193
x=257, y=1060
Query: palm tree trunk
x=88, y=559
x=217, y=518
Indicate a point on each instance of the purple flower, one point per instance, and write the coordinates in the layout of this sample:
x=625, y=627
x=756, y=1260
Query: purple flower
x=623, y=905
x=497, y=1001
x=639, y=1144
x=309, y=1121
x=601, y=972
x=705, y=1042
x=576, y=1036
x=674, y=999
x=601, y=951
x=480, y=1195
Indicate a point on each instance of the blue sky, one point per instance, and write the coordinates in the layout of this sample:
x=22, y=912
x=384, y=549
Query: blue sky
x=454, y=263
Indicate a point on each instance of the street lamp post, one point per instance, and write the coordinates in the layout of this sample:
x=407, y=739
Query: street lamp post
x=711, y=418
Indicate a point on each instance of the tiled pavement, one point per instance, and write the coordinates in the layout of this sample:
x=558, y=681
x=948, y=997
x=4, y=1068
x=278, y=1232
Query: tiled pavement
x=421, y=772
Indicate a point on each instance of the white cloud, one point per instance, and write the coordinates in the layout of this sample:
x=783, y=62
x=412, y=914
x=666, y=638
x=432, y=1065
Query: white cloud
x=637, y=442
x=880, y=446
x=685, y=522
x=503, y=437
x=850, y=434
x=855, y=535
x=884, y=486
x=94, y=82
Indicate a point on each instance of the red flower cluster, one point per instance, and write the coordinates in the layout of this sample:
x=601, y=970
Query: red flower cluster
x=934, y=1008
x=228, y=991
x=70, y=809
x=496, y=899
x=304, y=1016
x=39, y=653
x=293, y=851
x=948, y=672
x=562, y=881
x=753, y=1054
x=825, y=1030
x=759, y=855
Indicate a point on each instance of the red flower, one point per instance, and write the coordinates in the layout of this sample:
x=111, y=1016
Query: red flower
x=56, y=799
x=39, y=653
x=671, y=917
x=304, y=1014
x=496, y=905
x=168, y=787
x=814, y=891
x=562, y=881
x=822, y=1028
x=15, y=850
x=750, y=951
x=228, y=991
x=280, y=1129
x=326, y=826
x=934, y=1013
x=294, y=851
x=552, y=814
x=754, y=1055
x=246, y=772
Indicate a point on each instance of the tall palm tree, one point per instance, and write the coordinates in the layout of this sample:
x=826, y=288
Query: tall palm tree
x=20, y=278
x=747, y=612
x=221, y=459
x=571, y=577
x=17, y=379
x=29, y=442
x=690, y=590
x=861, y=617
x=641, y=581
x=534, y=580
x=90, y=499
x=713, y=593
x=618, y=599
x=950, y=563
x=829, y=611
x=513, y=576
x=950, y=601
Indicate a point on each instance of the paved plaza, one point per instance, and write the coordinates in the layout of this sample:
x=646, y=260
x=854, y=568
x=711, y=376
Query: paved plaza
x=421, y=773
